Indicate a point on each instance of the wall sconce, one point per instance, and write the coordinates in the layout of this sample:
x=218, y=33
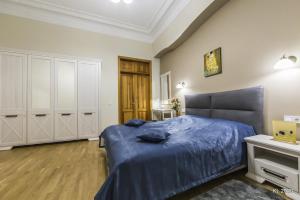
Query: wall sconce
x=181, y=85
x=286, y=62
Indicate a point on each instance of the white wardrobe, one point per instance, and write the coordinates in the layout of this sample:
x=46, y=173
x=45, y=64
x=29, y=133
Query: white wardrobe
x=46, y=99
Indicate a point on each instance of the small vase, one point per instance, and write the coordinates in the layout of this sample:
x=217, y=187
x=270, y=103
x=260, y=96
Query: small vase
x=177, y=113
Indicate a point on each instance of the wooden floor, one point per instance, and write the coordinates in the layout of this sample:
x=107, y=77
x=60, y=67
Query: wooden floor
x=65, y=171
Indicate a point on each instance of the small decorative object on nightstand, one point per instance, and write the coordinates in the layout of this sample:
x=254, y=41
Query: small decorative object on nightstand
x=284, y=131
x=176, y=105
x=276, y=162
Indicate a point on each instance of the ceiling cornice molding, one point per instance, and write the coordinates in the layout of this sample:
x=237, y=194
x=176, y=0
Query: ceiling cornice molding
x=56, y=14
x=63, y=20
x=159, y=13
x=78, y=14
x=169, y=17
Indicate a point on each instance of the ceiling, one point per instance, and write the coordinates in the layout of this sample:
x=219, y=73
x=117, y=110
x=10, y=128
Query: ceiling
x=141, y=20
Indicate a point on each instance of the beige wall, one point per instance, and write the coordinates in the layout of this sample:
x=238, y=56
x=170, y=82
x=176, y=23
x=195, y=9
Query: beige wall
x=27, y=34
x=253, y=35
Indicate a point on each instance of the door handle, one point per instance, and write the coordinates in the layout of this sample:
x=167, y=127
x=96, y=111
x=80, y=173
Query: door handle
x=65, y=114
x=41, y=115
x=11, y=116
x=88, y=113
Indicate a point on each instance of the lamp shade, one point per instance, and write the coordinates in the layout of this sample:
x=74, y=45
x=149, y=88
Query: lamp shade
x=285, y=62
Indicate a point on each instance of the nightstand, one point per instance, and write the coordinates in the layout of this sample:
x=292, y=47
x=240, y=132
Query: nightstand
x=276, y=162
x=164, y=113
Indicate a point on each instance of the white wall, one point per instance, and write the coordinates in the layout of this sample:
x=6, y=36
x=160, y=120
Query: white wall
x=20, y=33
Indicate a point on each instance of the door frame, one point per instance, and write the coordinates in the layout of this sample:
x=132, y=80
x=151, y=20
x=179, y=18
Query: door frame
x=119, y=81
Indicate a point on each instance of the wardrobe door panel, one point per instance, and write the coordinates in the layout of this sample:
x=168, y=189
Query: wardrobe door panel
x=88, y=124
x=13, y=82
x=13, y=85
x=65, y=99
x=66, y=84
x=40, y=99
x=40, y=128
x=41, y=82
x=88, y=85
x=13, y=130
x=65, y=126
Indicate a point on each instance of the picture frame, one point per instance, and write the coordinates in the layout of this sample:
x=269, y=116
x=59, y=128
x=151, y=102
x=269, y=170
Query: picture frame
x=213, y=62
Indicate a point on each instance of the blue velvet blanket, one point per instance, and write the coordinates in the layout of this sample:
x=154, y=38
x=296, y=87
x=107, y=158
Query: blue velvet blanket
x=198, y=150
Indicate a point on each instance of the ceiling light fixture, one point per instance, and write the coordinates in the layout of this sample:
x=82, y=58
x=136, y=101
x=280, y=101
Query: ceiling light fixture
x=116, y=1
x=128, y=1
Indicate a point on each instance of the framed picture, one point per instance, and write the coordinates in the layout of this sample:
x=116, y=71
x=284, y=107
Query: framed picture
x=213, y=63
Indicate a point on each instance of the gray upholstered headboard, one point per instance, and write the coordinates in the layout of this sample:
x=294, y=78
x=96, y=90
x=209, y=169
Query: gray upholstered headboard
x=245, y=105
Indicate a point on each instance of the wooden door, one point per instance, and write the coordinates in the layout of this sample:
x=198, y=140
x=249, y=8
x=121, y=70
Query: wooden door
x=127, y=97
x=40, y=99
x=141, y=92
x=88, y=82
x=65, y=99
x=134, y=89
x=13, y=86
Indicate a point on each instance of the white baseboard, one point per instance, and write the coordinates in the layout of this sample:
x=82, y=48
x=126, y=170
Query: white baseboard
x=93, y=139
x=5, y=148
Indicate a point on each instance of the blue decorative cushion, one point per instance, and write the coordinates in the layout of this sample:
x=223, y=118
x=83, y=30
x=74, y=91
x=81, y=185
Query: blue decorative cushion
x=135, y=122
x=154, y=136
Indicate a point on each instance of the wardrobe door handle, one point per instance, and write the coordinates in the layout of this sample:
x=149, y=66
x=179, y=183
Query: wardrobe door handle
x=11, y=116
x=41, y=115
x=88, y=113
x=65, y=114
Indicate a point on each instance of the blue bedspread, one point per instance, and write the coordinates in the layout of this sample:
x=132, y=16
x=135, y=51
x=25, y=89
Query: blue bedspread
x=199, y=150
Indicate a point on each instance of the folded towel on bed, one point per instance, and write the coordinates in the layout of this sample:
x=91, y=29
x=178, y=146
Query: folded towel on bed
x=135, y=122
x=154, y=136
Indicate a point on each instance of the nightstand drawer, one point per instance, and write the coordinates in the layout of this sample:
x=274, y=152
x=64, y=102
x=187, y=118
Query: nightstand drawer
x=277, y=173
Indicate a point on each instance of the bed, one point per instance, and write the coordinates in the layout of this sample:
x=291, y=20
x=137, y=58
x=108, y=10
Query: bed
x=206, y=143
